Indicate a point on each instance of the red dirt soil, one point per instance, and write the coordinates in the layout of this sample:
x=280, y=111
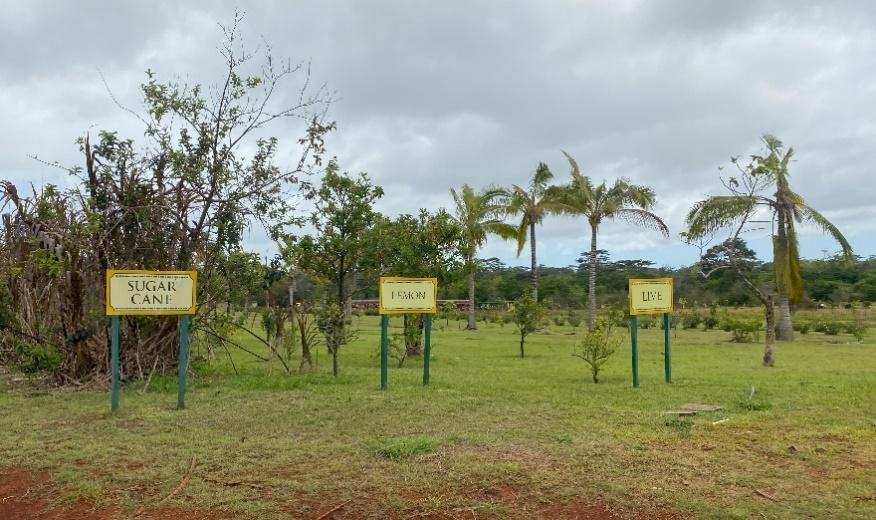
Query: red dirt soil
x=26, y=495
x=23, y=497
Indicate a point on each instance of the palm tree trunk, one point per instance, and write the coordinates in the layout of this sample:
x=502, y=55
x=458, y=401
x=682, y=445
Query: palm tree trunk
x=769, y=314
x=785, y=330
x=533, y=275
x=472, y=324
x=591, y=285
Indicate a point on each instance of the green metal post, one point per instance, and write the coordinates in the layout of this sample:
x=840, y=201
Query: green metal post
x=427, y=348
x=114, y=360
x=634, y=331
x=667, y=350
x=183, y=361
x=384, y=352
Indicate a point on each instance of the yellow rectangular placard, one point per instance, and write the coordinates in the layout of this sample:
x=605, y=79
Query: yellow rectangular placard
x=399, y=295
x=150, y=293
x=650, y=296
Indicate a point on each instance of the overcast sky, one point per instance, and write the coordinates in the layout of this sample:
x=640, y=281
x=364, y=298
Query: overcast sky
x=432, y=95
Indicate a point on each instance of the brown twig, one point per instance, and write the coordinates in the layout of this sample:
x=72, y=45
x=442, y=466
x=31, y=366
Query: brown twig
x=332, y=510
x=176, y=490
x=765, y=495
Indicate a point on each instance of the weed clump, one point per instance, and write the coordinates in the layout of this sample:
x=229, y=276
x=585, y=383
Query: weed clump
x=398, y=448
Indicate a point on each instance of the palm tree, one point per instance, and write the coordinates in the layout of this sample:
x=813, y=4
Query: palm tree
x=532, y=205
x=621, y=200
x=787, y=208
x=479, y=214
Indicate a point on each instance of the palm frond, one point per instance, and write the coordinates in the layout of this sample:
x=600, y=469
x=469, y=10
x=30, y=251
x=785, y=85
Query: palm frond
x=573, y=164
x=522, y=234
x=643, y=218
x=794, y=275
x=813, y=217
x=716, y=213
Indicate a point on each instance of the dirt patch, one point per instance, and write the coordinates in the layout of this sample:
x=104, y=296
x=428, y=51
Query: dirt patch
x=581, y=509
x=27, y=495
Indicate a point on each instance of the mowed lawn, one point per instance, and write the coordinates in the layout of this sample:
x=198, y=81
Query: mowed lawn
x=493, y=436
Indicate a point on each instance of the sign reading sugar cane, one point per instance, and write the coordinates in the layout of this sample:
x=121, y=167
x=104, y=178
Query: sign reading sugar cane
x=399, y=295
x=145, y=293
x=650, y=296
x=150, y=293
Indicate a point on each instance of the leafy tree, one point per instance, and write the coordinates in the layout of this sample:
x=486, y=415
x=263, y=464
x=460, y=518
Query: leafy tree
x=178, y=200
x=596, y=346
x=621, y=200
x=479, y=214
x=343, y=213
x=425, y=245
x=710, y=216
x=528, y=315
x=532, y=204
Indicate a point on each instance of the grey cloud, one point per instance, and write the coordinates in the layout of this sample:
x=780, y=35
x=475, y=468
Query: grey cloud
x=435, y=94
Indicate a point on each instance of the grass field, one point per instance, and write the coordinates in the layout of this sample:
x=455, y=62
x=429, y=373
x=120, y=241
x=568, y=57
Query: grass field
x=493, y=436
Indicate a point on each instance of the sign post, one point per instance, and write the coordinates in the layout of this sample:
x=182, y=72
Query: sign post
x=650, y=296
x=400, y=295
x=115, y=364
x=150, y=293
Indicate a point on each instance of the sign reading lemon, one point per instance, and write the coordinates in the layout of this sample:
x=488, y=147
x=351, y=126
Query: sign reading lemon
x=650, y=296
x=408, y=295
x=135, y=292
x=400, y=295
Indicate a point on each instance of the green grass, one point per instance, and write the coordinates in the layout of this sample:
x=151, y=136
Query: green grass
x=493, y=433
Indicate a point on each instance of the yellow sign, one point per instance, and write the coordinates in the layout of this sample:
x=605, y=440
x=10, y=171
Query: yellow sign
x=150, y=293
x=650, y=295
x=408, y=295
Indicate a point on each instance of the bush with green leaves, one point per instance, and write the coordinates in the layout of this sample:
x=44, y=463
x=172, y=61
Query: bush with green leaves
x=857, y=329
x=647, y=322
x=711, y=321
x=37, y=358
x=559, y=321
x=596, y=346
x=333, y=325
x=574, y=318
x=742, y=330
x=528, y=315
x=449, y=311
x=802, y=327
x=692, y=320
x=831, y=328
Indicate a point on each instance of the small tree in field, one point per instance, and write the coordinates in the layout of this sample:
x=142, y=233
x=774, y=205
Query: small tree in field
x=333, y=325
x=527, y=315
x=596, y=346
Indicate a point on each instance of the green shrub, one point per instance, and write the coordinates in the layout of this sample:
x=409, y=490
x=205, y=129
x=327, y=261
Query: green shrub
x=402, y=447
x=647, y=322
x=710, y=322
x=802, y=327
x=595, y=347
x=37, y=358
x=559, y=321
x=742, y=330
x=691, y=321
x=832, y=328
x=574, y=318
x=857, y=329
